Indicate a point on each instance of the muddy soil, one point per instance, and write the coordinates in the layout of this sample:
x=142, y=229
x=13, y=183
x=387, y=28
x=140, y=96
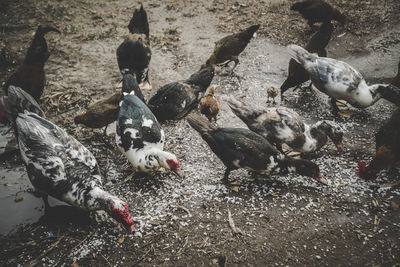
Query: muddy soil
x=283, y=220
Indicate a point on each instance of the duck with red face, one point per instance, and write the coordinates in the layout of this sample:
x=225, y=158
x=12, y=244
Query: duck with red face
x=122, y=215
x=139, y=135
x=60, y=166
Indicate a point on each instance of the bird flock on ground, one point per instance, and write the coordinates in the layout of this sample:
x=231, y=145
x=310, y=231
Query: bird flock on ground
x=60, y=166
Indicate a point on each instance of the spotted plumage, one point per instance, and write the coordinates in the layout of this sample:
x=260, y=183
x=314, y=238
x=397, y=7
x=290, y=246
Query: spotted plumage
x=17, y=101
x=242, y=148
x=139, y=135
x=60, y=166
x=283, y=125
x=341, y=81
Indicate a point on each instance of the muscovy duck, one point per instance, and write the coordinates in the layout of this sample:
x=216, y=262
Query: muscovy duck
x=139, y=135
x=175, y=100
x=283, y=125
x=387, y=149
x=134, y=53
x=60, y=166
x=228, y=48
x=297, y=74
x=209, y=104
x=30, y=76
x=242, y=148
x=339, y=80
x=318, y=11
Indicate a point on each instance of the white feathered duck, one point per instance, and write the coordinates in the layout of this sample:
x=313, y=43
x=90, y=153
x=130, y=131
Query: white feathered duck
x=60, y=166
x=139, y=135
x=283, y=125
x=339, y=80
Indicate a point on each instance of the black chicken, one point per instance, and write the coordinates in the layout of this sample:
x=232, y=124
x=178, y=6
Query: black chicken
x=228, y=48
x=318, y=11
x=30, y=75
x=175, y=100
x=134, y=53
x=242, y=148
x=297, y=74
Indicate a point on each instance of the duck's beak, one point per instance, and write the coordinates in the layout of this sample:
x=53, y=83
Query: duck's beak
x=339, y=145
x=131, y=229
x=321, y=179
x=179, y=173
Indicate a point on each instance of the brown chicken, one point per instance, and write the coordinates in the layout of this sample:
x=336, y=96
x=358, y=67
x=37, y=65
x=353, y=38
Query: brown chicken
x=272, y=93
x=101, y=113
x=134, y=53
x=318, y=11
x=209, y=104
x=228, y=48
x=387, y=149
x=30, y=75
x=297, y=74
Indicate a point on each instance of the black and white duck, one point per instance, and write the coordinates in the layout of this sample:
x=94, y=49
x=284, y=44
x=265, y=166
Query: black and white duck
x=175, y=100
x=283, y=125
x=242, y=148
x=60, y=166
x=139, y=135
x=339, y=80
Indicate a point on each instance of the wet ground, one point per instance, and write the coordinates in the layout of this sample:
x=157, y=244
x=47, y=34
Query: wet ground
x=283, y=220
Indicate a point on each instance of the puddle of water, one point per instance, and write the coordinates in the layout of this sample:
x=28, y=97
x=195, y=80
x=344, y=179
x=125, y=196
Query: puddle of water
x=18, y=206
x=14, y=186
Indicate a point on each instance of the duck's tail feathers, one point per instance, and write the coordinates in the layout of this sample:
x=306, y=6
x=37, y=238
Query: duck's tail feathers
x=139, y=23
x=18, y=101
x=239, y=108
x=300, y=55
x=391, y=93
x=299, y=6
x=200, y=124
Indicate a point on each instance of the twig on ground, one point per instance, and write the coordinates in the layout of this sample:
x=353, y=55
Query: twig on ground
x=232, y=224
x=184, y=209
x=44, y=253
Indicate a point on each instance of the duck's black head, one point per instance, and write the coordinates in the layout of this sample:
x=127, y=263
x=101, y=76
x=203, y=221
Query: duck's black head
x=338, y=16
x=38, y=51
x=308, y=168
x=130, y=85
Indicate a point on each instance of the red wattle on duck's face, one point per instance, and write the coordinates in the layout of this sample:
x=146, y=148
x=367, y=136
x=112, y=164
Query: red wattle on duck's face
x=123, y=217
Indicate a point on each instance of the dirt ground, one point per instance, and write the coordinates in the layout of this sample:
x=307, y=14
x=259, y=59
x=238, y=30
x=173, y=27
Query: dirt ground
x=283, y=220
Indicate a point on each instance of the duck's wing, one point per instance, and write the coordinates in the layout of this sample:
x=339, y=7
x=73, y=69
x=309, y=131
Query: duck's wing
x=173, y=101
x=236, y=146
x=292, y=119
x=137, y=125
x=337, y=75
x=55, y=160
